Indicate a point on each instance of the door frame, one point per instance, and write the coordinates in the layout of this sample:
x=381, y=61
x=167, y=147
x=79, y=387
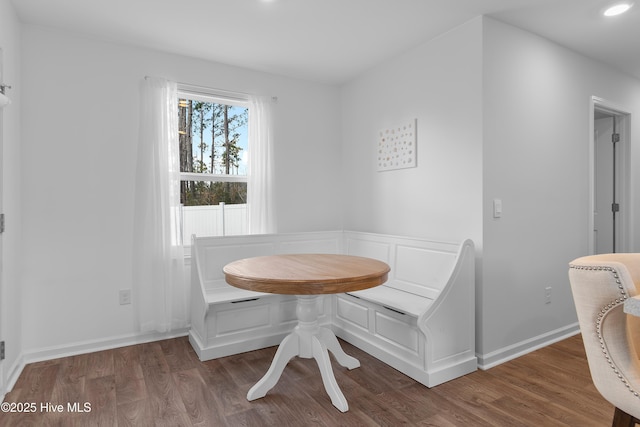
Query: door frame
x=3, y=302
x=623, y=171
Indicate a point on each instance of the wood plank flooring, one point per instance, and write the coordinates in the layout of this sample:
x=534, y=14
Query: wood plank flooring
x=164, y=384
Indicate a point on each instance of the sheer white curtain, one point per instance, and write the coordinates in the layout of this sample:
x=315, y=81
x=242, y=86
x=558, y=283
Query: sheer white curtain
x=159, y=289
x=260, y=199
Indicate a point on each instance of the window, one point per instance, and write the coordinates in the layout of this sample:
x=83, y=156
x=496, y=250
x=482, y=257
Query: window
x=213, y=144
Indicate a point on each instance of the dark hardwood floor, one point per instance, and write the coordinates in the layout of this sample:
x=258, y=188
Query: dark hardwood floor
x=164, y=383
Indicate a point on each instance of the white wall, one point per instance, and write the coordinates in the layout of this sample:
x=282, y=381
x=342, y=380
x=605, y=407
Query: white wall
x=10, y=295
x=439, y=84
x=501, y=114
x=536, y=159
x=80, y=110
x=504, y=114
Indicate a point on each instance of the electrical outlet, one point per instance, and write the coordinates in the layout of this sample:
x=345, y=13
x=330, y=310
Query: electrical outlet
x=125, y=296
x=547, y=295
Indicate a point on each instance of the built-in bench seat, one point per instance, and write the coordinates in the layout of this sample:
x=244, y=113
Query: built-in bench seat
x=394, y=299
x=421, y=321
x=226, y=320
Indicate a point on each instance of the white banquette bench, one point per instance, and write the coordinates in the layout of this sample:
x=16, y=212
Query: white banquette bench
x=227, y=320
x=421, y=321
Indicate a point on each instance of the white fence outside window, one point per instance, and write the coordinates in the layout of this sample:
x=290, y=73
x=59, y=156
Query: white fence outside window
x=214, y=220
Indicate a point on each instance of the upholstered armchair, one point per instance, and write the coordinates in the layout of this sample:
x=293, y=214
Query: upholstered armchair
x=600, y=285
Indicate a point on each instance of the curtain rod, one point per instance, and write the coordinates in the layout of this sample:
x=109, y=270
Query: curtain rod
x=239, y=96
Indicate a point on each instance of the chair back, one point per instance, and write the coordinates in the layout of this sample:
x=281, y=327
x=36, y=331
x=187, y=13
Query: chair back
x=600, y=285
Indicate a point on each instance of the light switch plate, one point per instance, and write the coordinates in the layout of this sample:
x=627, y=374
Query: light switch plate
x=497, y=208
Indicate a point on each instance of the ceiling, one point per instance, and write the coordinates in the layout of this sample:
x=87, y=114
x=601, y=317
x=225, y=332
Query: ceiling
x=330, y=41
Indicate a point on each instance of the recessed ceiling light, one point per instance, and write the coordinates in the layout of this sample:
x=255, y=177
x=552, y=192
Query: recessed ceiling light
x=617, y=9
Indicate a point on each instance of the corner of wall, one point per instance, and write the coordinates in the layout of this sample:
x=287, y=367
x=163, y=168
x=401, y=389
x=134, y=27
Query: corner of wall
x=10, y=201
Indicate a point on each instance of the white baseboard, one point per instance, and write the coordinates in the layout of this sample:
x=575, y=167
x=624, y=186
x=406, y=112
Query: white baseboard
x=83, y=347
x=494, y=358
x=13, y=374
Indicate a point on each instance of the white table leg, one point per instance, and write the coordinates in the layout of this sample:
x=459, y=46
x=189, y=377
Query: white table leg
x=328, y=379
x=306, y=341
x=286, y=351
x=328, y=338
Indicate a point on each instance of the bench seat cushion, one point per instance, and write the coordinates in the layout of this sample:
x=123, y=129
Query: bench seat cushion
x=395, y=299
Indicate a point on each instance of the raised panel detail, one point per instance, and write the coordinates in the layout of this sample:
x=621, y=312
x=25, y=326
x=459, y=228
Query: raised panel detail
x=242, y=319
x=423, y=267
x=214, y=258
x=353, y=312
x=396, y=331
x=319, y=246
x=369, y=249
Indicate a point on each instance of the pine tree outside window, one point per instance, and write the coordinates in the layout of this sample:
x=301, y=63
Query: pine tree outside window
x=213, y=145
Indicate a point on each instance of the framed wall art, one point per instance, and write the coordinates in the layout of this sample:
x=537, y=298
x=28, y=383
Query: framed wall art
x=397, y=146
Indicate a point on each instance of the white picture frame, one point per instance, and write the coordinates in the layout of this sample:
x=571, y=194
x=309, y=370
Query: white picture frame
x=397, y=146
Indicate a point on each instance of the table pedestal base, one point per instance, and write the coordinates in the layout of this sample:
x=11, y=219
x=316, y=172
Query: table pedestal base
x=306, y=341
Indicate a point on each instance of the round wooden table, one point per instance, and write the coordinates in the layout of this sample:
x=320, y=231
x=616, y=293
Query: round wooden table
x=307, y=276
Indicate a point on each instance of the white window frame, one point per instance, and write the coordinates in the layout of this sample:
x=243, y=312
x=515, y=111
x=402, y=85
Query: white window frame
x=217, y=96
